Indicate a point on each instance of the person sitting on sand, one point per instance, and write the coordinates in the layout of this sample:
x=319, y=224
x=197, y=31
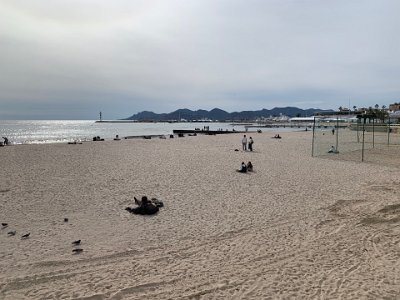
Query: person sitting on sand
x=249, y=166
x=145, y=207
x=141, y=202
x=277, y=136
x=332, y=150
x=243, y=168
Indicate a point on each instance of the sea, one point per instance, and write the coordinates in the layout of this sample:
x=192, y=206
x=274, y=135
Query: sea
x=61, y=131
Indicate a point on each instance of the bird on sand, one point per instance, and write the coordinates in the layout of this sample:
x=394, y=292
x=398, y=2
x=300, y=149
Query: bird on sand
x=25, y=236
x=76, y=242
x=11, y=233
x=78, y=250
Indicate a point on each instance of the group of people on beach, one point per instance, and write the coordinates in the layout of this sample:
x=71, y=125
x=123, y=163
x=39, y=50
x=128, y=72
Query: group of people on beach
x=249, y=144
x=146, y=206
x=246, y=168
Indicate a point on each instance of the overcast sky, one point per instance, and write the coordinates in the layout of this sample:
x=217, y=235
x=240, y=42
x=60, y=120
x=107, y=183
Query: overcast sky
x=70, y=59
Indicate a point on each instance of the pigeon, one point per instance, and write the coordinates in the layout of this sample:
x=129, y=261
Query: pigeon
x=4, y=225
x=78, y=250
x=76, y=242
x=11, y=233
x=25, y=236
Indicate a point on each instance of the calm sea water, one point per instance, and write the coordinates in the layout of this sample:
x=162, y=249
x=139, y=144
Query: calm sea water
x=39, y=132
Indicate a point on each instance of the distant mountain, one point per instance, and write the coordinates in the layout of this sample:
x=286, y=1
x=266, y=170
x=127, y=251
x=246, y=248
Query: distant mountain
x=221, y=115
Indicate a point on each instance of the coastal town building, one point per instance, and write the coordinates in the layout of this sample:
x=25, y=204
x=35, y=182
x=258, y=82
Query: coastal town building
x=394, y=107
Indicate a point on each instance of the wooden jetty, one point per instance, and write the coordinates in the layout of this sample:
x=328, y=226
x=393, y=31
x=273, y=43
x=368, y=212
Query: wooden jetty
x=147, y=137
x=207, y=132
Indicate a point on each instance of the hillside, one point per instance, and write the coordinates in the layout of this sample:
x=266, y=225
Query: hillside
x=217, y=114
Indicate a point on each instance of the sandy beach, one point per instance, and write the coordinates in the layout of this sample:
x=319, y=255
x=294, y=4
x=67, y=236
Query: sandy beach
x=296, y=228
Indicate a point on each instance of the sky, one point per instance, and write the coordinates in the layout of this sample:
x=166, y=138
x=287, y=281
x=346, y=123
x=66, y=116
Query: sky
x=71, y=59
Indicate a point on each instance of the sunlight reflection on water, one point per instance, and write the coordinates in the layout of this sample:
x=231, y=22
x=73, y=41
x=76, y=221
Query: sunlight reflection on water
x=39, y=132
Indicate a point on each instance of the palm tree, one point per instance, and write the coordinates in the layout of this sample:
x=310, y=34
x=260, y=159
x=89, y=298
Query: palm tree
x=354, y=107
x=384, y=113
x=370, y=110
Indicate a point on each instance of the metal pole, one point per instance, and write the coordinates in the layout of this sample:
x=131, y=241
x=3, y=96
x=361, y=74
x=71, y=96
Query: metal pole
x=337, y=134
x=313, y=137
x=362, y=151
x=388, y=140
x=373, y=133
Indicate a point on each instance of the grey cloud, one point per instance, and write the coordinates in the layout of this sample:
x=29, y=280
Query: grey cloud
x=69, y=56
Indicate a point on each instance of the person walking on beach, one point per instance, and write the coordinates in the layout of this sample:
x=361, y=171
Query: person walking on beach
x=244, y=143
x=251, y=144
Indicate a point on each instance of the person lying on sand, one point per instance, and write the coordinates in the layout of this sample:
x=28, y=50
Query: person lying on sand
x=74, y=143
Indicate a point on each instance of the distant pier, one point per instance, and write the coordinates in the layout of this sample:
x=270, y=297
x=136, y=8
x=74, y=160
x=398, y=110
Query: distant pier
x=207, y=132
x=116, y=121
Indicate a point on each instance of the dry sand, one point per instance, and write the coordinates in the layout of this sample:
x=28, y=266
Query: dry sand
x=297, y=228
